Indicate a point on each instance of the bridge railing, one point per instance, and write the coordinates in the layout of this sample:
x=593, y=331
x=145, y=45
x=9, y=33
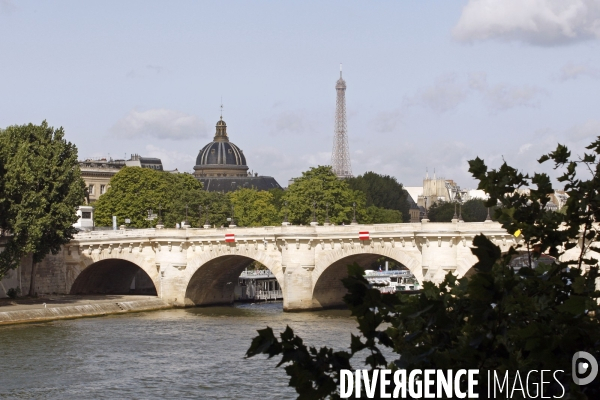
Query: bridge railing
x=266, y=231
x=268, y=295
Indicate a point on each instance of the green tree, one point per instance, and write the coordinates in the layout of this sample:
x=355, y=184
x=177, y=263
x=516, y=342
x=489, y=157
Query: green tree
x=277, y=197
x=473, y=210
x=40, y=191
x=382, y=191
x=378, y=215
x=218, y=207
x=133, y=191
x=321, y=186
x=495, y=318
x=441, y=211
x=254, y=208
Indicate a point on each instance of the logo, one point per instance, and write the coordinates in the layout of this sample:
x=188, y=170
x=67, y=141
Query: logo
x=584, y=367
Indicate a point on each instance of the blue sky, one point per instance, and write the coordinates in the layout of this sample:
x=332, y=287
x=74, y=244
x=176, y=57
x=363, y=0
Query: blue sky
x=431, y=84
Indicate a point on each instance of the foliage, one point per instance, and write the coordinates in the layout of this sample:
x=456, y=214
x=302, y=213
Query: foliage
x=41, y=188
x=382, y=191
x=494, y=319
x=13, y=293
x=254, y=208
x=473, y=210
x=378, y=215
x=524, y=211
x=497, y=320
x=322, y=186
x=133, y=191
x=277, y=198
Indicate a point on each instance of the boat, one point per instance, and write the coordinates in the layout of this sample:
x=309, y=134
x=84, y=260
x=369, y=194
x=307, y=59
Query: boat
x=257, y=285
x=392, y=281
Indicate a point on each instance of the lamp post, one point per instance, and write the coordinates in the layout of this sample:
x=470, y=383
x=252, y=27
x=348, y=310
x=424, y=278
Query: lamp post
x=327, y=214
x=207, y=222
x=285, y=215
x=232, y=223
x=354, y=222
x=159, y=224
x=185, y=222
x=199, y=215
x=314, y=217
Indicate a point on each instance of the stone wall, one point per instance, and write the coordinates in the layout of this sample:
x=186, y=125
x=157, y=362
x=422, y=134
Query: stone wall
x=52, y=276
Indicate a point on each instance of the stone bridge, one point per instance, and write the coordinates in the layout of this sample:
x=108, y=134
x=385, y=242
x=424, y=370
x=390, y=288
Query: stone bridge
x=188, y=267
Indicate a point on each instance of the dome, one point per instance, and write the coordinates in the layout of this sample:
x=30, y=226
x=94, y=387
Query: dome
x=221, y=153
x=221, y=157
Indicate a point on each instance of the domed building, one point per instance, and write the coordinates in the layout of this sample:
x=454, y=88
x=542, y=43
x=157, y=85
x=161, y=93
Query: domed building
x=221, y=166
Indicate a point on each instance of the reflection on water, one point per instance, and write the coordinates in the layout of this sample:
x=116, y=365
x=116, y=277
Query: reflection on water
x=192, y=353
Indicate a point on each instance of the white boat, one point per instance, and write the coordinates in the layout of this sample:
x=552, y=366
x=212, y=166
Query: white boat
x=257, y=285
x=392, y=281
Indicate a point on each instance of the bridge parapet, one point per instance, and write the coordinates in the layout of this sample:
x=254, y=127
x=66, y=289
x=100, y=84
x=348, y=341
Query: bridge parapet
x=467, y=228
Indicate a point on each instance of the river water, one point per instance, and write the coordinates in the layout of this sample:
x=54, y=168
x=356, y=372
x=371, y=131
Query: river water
x=194, y=353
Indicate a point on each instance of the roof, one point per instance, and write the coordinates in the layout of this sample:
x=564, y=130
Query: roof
x=150, y=160
x=230, y=184
x=220, y=153
x=414, y=192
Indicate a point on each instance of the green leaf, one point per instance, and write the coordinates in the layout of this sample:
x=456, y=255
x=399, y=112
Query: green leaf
x=574, y=305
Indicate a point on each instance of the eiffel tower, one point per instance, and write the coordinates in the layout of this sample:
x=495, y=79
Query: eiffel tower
x=340, y=156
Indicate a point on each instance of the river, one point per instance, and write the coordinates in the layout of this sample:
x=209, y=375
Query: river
x=194, y=353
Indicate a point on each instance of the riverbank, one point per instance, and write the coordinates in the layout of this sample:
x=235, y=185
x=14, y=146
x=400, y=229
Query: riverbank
x=51, y=308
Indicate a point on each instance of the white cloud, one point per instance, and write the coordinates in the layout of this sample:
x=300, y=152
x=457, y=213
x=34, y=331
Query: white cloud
x=387, y=121
x=283, y=165
x=7, y=7
x=589, y=129
x=537, y=22
x=503, y=97
x=574, y=71
x=159, y=123
x=319, y=158
x=171, y=159
x=450, y=91
x=288, y=122
x=524, y=148
x=156, y=68
x=445, y=95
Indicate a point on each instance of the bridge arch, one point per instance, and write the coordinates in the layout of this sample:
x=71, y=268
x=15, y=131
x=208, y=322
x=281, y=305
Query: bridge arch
x=328, y=289
x=111, y=275
x=212, y=276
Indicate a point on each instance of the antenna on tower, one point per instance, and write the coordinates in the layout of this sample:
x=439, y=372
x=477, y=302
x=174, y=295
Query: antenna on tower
x=340, y=156
x=221, y=107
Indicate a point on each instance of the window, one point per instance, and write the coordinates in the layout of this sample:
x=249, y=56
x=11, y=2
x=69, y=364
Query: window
x=212, y=151
x=91, y=189
x=229, y=151
x=102, y=189
x=86, y=215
